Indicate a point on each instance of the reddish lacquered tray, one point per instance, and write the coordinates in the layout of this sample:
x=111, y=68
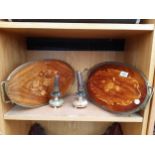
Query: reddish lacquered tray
x=118, y=87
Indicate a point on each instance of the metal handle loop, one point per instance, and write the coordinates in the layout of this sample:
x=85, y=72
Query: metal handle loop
x=3, y=93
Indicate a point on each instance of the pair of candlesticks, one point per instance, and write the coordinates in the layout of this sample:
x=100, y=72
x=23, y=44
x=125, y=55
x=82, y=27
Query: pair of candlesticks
x=79, y=102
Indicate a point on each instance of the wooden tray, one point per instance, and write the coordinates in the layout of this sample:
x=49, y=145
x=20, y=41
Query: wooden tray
x=31, y=84
x=118, y=87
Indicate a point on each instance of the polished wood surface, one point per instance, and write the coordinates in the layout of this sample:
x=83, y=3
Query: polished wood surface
x=151, y=122
x=75, y=30
x=31, y=85
x=116, y=87
x=68, y=113
x=76, y=26
x=140, y=53
x=12, y=54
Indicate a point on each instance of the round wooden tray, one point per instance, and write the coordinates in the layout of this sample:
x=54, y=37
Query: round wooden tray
x=31, y=84
x=118, y=88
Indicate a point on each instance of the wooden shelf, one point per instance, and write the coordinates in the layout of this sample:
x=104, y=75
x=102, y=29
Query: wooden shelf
x=68, y=113
x=78, y=30
x=139, y=47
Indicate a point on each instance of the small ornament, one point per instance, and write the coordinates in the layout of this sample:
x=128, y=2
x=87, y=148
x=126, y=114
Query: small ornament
x=56, y=101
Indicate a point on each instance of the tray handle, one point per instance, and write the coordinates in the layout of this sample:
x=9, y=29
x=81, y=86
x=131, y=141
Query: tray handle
x=3, y=93
x=151, y=91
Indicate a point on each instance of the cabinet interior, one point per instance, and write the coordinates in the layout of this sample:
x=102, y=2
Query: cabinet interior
x=14, y=52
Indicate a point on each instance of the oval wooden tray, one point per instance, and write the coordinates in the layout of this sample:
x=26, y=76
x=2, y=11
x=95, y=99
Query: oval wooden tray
x=117, y=87
x=30, y=84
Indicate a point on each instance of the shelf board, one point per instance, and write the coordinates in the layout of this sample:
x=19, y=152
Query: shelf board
x=68, y=113
x=78, y=30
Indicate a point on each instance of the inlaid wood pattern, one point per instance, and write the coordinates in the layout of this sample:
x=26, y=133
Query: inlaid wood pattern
x=32, y=84
x=116, y=87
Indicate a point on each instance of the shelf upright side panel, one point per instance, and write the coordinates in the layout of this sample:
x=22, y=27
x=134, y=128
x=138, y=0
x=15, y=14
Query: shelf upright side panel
x=151, y=121
x=12, y=54
x=140, y=54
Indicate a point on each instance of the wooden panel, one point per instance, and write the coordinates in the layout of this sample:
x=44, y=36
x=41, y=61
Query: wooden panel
x=11, y=55
x=78, y=30
x=131, y=128
x=17, y=127
x=1, y=118
x=149, y=21
x=87, y=128
x=152, y=107
x=151, y=121
x=75, y=128
x=68, y=113
x=70, y=26
x=79, y=60
x=139, y=53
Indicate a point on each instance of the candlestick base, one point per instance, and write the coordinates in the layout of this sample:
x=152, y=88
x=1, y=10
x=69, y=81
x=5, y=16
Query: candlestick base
x=80, y=102
x=56, y=102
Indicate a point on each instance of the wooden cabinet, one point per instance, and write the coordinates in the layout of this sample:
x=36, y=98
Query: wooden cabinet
x=151, y=121
x=138, y=52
